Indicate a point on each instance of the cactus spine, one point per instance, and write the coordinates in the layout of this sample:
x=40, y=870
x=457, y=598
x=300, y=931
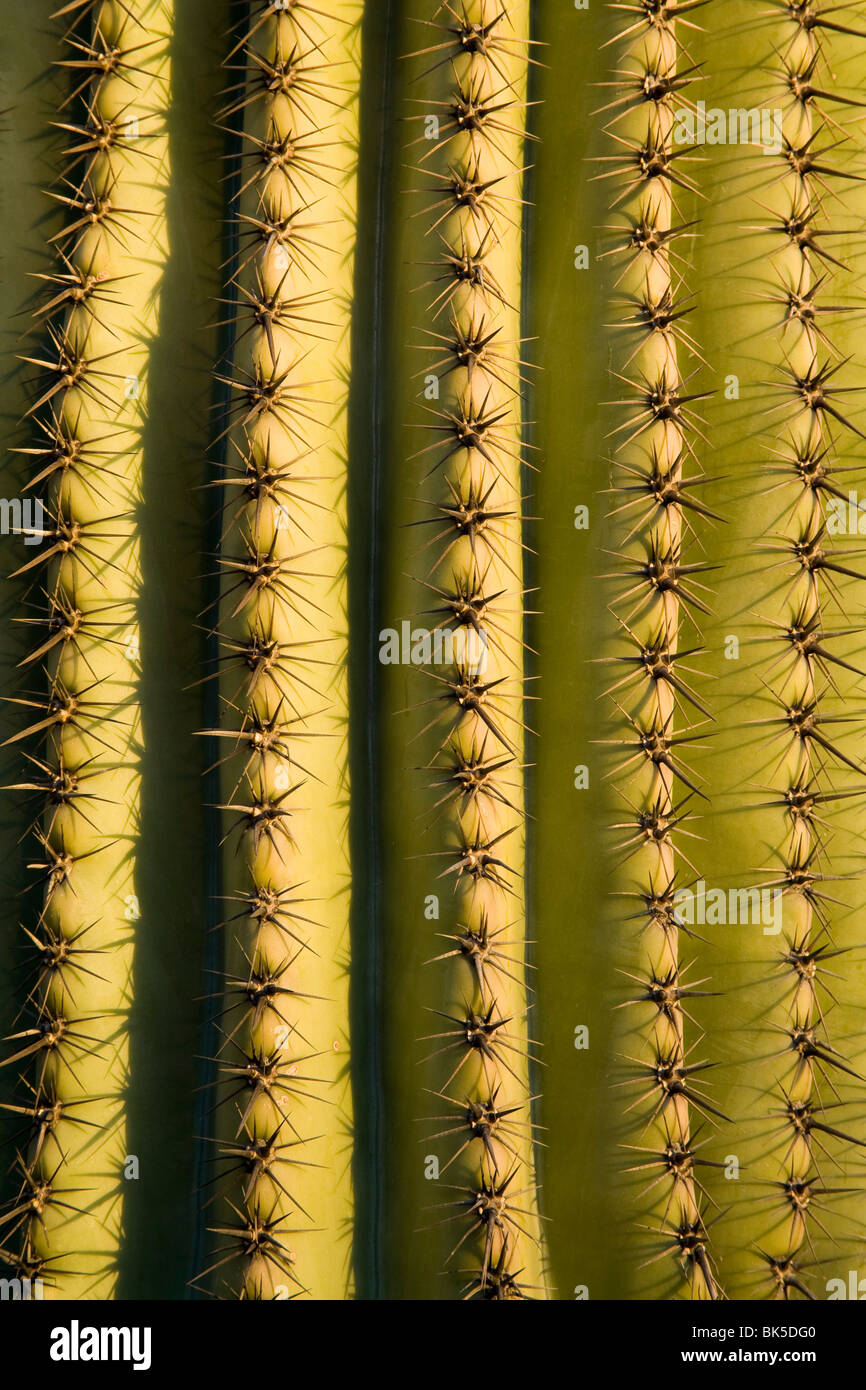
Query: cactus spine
x=282, y=1216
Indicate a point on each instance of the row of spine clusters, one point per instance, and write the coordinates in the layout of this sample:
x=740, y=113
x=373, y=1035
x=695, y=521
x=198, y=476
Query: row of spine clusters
x=813, y=1092
x=281, y=1150
x=87, y=384
x=468, y=104
x=657, y=599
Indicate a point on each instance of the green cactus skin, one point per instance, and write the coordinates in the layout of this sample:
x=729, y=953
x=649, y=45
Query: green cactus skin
x=567, y=311
x=174, y=866
x=282, y=1217
x=87, y=400
x=461, y=1217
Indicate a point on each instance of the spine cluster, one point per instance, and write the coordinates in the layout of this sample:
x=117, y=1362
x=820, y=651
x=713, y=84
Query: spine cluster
x=87, y=370
x=658, y=598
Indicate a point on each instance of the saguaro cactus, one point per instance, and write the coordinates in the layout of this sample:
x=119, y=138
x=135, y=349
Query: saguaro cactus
x=527, y=675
